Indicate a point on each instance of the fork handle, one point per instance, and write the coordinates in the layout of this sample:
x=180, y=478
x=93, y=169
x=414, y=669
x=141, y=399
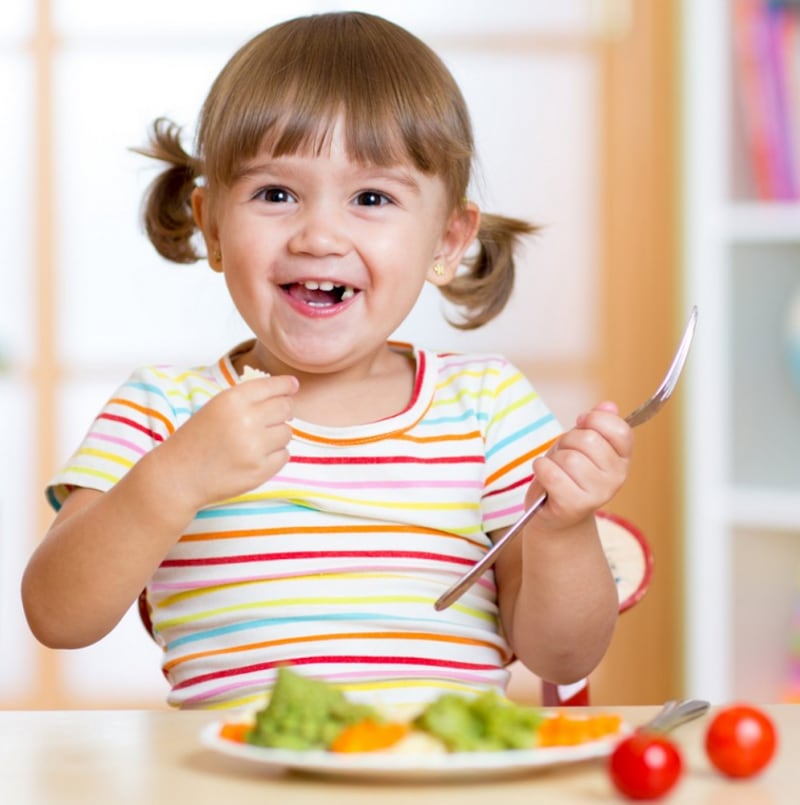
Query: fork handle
x=489, y=558
x=675, y=713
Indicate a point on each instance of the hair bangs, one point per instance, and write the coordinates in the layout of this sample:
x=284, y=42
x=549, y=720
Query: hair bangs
x=285, y=92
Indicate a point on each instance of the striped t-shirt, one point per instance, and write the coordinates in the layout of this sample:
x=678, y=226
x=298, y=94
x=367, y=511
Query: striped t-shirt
x=334, y=564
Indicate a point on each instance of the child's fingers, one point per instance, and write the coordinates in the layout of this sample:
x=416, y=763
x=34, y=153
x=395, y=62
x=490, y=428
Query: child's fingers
x=266, y=386
x=604, y=420
x=588, y=463
x=584, y=445
x=267, y=399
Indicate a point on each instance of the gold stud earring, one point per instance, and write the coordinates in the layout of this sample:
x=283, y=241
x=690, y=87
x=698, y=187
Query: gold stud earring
x=439, y=269
x=215, y=261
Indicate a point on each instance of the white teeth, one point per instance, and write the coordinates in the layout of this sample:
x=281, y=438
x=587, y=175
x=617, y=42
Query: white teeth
x=327, y=285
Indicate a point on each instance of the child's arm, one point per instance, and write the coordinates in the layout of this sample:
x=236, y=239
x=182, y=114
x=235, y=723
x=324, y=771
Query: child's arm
x=557, y=597
x=103, y=547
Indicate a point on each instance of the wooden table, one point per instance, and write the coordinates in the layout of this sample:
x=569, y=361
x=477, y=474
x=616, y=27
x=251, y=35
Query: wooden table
x=154, y=757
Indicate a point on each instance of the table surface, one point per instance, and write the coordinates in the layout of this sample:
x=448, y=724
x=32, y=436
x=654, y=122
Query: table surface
x=137, y=756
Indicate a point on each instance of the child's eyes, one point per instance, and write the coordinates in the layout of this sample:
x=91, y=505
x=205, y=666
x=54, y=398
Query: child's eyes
x=372, y=198
x=280, y=195
x=275, y=195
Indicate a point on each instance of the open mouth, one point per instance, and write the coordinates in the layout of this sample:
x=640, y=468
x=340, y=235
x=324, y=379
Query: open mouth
x=322, y=293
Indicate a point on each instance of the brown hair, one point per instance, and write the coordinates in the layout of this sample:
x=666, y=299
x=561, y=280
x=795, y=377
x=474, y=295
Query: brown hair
x=285, y=89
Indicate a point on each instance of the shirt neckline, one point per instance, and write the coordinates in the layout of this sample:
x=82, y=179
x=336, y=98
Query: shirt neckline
x=425, y=373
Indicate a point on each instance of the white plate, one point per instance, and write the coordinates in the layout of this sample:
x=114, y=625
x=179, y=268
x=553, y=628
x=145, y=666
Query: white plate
x=383, y=765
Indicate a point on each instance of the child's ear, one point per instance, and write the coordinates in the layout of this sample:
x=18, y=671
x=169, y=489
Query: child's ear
x=458, y=236
x=204, y=221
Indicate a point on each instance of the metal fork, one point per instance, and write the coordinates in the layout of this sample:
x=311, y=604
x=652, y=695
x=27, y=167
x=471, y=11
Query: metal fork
x=674, y=713
x=645, y=411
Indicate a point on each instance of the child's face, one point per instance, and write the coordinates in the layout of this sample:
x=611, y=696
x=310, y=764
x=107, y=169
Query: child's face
x=325, y=257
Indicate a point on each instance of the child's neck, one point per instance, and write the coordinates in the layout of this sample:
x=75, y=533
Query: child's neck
x=357, y=397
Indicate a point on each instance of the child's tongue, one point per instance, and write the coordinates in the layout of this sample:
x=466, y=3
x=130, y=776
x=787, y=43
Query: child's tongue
x=312, y=297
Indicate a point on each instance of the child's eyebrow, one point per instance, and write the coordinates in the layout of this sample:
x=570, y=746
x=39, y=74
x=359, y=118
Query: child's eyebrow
x=251, y=170
x=400, y=176
x=367, y=173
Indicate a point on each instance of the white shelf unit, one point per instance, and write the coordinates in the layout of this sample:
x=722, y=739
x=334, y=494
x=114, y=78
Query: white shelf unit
x=742, y=451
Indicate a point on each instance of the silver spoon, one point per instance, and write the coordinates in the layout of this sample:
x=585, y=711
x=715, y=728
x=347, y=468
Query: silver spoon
x=645, y=411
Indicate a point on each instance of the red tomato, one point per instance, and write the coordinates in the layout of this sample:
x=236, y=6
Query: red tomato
x=740, y=740
x=645, y=765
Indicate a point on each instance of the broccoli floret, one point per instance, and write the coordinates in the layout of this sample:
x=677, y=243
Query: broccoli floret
x=485, y=723
x=450, y=719
x=304, y=713
x=510, y=725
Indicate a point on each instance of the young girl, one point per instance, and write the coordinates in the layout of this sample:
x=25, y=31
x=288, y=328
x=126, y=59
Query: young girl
x=312, y=516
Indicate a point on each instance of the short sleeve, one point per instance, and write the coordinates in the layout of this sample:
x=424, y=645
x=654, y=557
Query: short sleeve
x=140, y=415
x=519, y=427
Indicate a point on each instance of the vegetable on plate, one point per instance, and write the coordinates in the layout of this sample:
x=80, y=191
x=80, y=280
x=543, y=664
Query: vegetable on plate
x=308, y=714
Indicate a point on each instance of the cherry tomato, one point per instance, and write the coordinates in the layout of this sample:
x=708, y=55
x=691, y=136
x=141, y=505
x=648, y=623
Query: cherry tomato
x=740, y=740
x=645, y=765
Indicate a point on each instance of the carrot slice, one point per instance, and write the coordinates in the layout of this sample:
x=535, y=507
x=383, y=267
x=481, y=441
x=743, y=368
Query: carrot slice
x=235, y=732
x=564, y=730
x=368, y=736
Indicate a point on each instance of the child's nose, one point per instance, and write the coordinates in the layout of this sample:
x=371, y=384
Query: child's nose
x=320, y=231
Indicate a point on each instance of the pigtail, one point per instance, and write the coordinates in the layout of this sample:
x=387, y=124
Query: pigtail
x=167, y=208
x=483, y=291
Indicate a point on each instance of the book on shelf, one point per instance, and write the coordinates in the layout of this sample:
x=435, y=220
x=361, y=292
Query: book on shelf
x=766, y=51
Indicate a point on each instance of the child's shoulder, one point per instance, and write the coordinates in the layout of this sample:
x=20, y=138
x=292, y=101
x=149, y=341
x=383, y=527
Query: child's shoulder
x=488, y=363
x=476, y=373
x=182, y=375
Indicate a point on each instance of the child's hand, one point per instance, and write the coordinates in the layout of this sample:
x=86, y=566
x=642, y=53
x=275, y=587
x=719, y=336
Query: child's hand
x=585, y=468
x=234, y=443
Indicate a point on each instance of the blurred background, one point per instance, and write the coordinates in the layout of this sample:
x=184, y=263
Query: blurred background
x=656, y=141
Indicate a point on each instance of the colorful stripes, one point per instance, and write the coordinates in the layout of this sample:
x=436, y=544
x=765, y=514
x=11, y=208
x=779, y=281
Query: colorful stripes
x=335, y=562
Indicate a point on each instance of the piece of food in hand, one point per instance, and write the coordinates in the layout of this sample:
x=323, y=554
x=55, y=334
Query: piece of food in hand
x=305, y=713
x=249, y=373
